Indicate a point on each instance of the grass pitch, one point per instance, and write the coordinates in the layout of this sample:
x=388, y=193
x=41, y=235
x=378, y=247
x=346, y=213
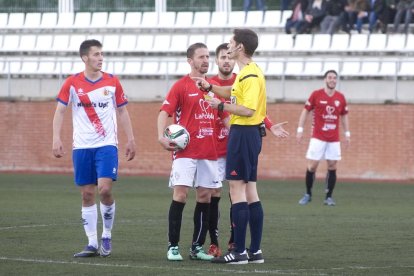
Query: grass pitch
x=369, y=232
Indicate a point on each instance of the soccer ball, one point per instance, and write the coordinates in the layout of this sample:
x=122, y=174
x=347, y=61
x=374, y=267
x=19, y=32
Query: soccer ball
x=177, y=134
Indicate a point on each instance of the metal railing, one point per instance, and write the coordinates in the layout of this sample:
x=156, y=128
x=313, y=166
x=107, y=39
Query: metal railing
x=283, y=71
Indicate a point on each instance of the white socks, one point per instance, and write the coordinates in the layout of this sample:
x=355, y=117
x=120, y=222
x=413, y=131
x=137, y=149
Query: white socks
x=90, y=220
x=108, y=217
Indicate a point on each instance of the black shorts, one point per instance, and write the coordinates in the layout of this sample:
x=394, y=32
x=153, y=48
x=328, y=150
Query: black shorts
x=243, y=149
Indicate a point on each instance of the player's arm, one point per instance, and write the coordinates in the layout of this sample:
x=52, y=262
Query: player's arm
x=57, y=146
x=125, y=121
x=276, y=129
x=161, y=125
x=301, y=123
x=345, y=126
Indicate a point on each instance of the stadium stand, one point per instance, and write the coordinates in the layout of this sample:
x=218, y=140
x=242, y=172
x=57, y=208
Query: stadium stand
x=132, y=20
x=65, y=20
x=4, y=17
x=218, y=20
x=321, y=42
x=201, y=19
x=272, y=19
x=32, y=20
x=49, y=20
x=151, y=44
x=236, y=19
x=16, y=21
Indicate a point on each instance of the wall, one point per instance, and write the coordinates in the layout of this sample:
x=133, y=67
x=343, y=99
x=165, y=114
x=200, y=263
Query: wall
x=382, y=142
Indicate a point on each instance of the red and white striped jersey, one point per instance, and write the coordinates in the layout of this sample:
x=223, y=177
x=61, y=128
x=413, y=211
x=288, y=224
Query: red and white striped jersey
x=93, y=109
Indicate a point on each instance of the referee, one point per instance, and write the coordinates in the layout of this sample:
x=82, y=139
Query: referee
x=248, y=109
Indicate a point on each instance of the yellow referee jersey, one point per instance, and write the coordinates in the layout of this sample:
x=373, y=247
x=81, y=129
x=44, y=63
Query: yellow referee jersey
x=249, y=90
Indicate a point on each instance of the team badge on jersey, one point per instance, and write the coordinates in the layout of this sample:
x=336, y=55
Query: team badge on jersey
x=80, y=92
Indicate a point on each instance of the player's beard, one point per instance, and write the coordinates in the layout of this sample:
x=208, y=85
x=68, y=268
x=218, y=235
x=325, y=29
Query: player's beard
x=331, y=85
x=225, y=72
x=203, y=69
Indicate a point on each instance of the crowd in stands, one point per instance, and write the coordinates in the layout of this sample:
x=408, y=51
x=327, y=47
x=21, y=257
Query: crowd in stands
x=349, y=16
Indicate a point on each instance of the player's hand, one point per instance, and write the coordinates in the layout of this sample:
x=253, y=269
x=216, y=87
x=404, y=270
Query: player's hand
x=279, y=131
x=57, y=149
x=347, y=142
x=299, y=136
x=167, y=144
x=130, y=150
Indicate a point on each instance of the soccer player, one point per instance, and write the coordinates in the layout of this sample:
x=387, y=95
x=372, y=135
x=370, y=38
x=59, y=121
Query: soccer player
x=328, y=106
x=248, y=110
x=197, y=163
x=226, y=77
x=95, y=98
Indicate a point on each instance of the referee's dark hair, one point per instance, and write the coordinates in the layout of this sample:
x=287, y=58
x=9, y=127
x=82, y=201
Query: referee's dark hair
x=248, y=38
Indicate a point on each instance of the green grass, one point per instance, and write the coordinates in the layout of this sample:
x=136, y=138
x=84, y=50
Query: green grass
x=369, y=232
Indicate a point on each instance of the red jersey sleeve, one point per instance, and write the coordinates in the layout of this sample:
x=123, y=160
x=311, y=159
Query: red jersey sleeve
x=310, y=103
x=120, y=96
x=268, y=123
x=64, y=93
x=344, y=110
x=171, y=101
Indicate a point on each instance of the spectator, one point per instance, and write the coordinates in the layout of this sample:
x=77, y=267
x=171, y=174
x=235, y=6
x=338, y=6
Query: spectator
x=334, y=14
x=404, y=8
x=355, y=12
x=260, y=5
x=298, y=15
x=313, y=16
x=378, y=15
x=285, y=4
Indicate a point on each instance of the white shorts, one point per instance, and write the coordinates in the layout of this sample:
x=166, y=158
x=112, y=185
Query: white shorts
x=195, y=173
x=221, y=161
x=319, y=150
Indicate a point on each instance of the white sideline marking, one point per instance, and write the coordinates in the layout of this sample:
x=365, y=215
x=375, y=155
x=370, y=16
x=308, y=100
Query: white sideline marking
x=47, y=225
x=299, y=271
x=34, y=226
x=279, y=272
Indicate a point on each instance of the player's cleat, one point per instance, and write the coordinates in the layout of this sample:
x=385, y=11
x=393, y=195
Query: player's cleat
x=173, y=254
x=88, y=251
x=329, y=201
x=256, y=258
x=305, y=199
x=231, y=246
x=214, y=250
x=106, y=247
x=199, y=254
x=232, y=258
